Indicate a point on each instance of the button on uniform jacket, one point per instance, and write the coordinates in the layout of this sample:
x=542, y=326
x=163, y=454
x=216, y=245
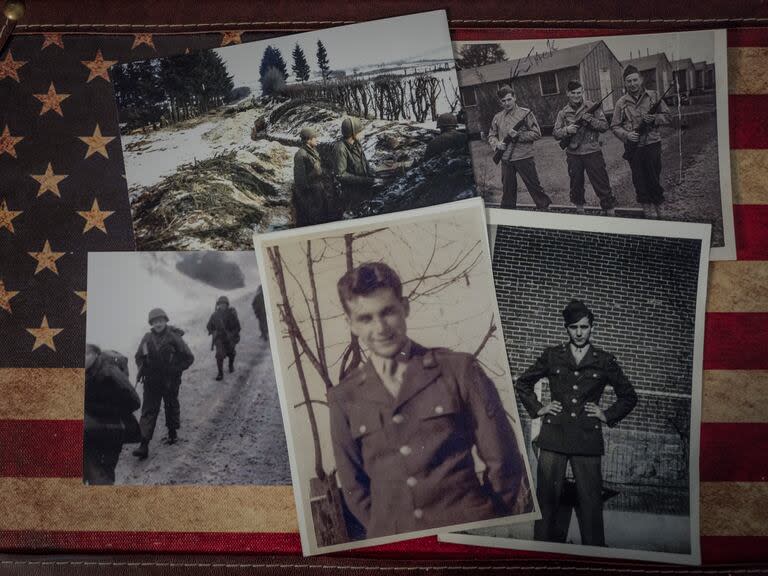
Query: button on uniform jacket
x=587, y=140
x=406, y=464
x=503, y=123
x=573, y=431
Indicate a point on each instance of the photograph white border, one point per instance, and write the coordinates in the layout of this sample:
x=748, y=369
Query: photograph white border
x=720, y=35
x=627, y=227
x=301, y=493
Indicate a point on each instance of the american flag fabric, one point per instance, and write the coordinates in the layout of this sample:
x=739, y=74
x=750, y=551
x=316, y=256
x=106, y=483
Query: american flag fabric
x=63, y=193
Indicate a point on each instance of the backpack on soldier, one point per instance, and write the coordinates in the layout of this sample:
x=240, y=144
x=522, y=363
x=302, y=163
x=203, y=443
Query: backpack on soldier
x=117, y=359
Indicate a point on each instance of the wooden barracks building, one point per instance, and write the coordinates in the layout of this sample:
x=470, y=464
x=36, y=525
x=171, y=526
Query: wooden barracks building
x=540, y=82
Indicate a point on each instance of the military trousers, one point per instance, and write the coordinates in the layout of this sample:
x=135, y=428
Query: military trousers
x=645, y=163
x=154, y=395
x=526, y=167
x=263, y=326
x=594, y=165
x=550, y=481
x=99, y=463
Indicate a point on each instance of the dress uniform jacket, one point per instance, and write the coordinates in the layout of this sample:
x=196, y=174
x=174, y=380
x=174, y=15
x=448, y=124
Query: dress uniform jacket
x=405, y=463
x=628, y=116
x=588, y=140
x=573, y=431
x=503, y=123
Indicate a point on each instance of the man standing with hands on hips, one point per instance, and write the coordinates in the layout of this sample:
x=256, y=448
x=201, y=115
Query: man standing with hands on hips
x=571, y=430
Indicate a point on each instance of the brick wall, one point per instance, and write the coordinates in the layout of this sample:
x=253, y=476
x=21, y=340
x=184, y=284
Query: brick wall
x=642, y=291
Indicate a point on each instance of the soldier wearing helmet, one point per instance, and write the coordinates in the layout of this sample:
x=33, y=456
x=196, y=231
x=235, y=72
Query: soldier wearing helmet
x=449, y=139
x=309, y=199
x=224, y=327
x=161, y=358
x=353, y=174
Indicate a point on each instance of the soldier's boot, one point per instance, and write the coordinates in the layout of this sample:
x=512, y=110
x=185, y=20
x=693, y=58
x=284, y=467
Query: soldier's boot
x=580, y=209
x=231, y=363
x=658, y=210
x=220, y=366
x=142, y=452
x=172, y=437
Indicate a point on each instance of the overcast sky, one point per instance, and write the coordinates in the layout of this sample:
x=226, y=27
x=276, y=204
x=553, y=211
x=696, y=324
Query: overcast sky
x=412, y=37
x=697, y=46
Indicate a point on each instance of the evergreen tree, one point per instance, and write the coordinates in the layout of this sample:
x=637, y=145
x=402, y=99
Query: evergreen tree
x=322, y=60
x=271, y=59
x=476, y=55
x=300, y=65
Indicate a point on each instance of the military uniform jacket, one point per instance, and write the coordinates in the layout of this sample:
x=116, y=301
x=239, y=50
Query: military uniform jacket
x=503, y=123
x=573, y=431
x=628, y=116
x=225, y=326
x=310, y=200
x=405, y=463
x=448, y=140
x=162, y=358
x=587, y=139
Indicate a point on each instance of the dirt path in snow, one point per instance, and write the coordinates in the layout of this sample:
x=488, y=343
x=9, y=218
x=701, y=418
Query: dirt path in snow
x=231, y=431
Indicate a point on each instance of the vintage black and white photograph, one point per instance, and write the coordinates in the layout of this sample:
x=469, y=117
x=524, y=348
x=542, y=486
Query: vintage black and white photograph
x=604, y=323
x=394, y=384
x=303, y=129
x=179, y=380
x=632, y=126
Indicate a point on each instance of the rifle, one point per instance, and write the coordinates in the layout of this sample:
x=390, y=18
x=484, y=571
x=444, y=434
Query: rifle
x=565, y=142
x=644, y=128
x=508, y=139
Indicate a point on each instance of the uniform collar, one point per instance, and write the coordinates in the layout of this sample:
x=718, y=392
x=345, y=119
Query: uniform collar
x=579, y=107
x=640, y=96
x=590, y=358
x=422, y=370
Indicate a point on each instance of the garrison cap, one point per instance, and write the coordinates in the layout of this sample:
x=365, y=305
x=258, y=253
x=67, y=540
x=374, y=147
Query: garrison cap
x=504, y=91
x=575, y=311
x=573, y=85
x=629, y=70
x=157, y=313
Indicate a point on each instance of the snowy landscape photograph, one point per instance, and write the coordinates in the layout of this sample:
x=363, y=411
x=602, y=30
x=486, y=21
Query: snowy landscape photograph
x=304, y=129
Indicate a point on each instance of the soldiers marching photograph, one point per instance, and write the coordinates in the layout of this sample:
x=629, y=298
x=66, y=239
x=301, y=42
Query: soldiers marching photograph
x=633, y=126
x=394, y=381
x=180, y=387
x=303, y=129
x=606, y=358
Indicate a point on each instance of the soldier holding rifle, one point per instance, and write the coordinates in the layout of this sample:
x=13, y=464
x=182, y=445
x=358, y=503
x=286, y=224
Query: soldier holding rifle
x=578, y=127
x=513, y=132
x=636, y=121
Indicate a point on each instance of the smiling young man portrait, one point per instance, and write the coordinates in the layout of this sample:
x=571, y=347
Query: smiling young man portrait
x=405, y=422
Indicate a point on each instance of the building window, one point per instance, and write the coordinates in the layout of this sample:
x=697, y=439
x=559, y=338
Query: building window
x=468, y=96
x=548, y=83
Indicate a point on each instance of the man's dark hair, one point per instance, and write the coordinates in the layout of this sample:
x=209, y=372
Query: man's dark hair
x=575, y=311
x=505, y=91
x=92, y=348
x=629, y=70
x=573, y=85
x=367, y=278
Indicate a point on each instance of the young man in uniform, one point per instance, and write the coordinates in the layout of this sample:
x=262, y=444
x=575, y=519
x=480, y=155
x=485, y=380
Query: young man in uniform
x=310, y=201
x=518, y=154
x=584, y=153
x=571, y=430
x=449, y=139
x=404, y=423
x=261, y=312
x=161, y=358
x=632, y=122
x=224, y=326
x=352, y=172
